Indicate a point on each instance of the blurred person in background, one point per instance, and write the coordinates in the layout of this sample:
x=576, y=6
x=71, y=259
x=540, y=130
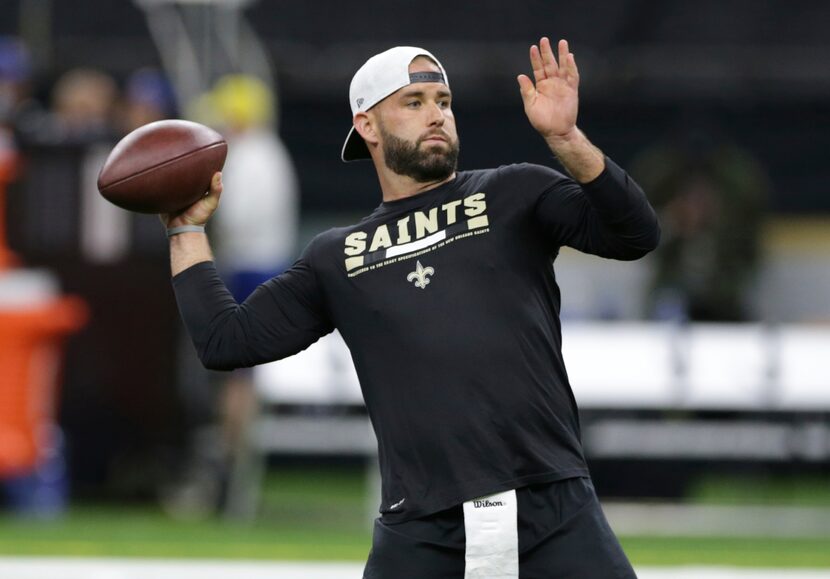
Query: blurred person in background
x=20, y=112
x=16, y=489
x=16, y=106
x=711, y=196
x=148, y=97
x=84, y=105
x=255, y=241
x=33, y=470
x=257, y=230
x=15, y=74
x=447, y=300
x=14, y=81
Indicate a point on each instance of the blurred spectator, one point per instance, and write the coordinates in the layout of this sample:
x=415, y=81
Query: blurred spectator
x=83, y=103
x=33, y=478
x=711, y=196
x=15, y=71
x=84, y=106
x=257, y=230
x=255, y=233
x=148, y=97
x=15, y=76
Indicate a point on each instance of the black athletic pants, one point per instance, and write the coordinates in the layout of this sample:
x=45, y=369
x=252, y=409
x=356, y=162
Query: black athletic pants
x=563, y=534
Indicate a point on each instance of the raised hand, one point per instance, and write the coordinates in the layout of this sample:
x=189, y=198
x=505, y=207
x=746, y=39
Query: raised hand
x=551, y=104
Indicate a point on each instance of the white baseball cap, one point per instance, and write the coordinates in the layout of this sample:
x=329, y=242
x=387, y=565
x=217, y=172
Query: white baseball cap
x=379, y=77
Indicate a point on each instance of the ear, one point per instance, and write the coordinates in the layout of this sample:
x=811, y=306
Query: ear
x=365, y=125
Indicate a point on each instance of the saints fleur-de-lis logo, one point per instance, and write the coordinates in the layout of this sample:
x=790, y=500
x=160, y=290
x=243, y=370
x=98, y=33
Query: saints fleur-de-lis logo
x=419, y=276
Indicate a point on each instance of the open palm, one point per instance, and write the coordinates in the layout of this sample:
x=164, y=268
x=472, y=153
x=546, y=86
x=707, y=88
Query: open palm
x=551, y=104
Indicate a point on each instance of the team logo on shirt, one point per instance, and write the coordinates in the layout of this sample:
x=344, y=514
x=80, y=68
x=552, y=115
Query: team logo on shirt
x=419, y=276
x=416, y=234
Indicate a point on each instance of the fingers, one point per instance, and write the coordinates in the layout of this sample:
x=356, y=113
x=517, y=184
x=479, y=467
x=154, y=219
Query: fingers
x=536, y=64
x=211, y=201
x=542, y=61
x=526, y=88
x=563, y=53
x=216, y=184
x=548, y=61
x=567, y=61
x=545, y=64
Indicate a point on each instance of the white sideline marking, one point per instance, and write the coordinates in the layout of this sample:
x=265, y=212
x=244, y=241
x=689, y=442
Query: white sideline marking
x=82, y=568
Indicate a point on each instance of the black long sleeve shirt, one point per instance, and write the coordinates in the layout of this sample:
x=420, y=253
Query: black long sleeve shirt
x=449, y=305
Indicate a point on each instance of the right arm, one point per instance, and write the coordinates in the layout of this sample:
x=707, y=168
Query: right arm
x=188, y=249
x=282, y=317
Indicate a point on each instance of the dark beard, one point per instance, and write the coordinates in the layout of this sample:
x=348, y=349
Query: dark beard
x=405, y=158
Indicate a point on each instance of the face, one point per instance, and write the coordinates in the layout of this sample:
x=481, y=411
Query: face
x=417, y=129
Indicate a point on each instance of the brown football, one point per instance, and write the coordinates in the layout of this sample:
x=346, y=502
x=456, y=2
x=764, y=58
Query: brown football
x=162, y=167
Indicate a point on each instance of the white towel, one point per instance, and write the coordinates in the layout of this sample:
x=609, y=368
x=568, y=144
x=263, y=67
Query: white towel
x=492, y=537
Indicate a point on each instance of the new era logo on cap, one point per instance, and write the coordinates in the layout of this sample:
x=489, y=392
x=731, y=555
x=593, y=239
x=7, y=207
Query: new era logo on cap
x=379, y=77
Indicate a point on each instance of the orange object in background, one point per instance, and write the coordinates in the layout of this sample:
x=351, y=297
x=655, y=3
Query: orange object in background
x=33, y=323
x=31, y=340
x=34, y=320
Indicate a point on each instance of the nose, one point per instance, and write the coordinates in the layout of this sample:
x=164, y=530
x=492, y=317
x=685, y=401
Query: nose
x=436, y=115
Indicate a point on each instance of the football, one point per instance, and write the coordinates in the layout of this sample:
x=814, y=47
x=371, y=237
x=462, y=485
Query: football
x=162, y=167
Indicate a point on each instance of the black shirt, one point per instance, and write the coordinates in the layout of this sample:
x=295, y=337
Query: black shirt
x=449, y=305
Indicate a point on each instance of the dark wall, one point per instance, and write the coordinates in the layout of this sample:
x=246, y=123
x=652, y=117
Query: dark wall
x=790, y=140
x=756, y=70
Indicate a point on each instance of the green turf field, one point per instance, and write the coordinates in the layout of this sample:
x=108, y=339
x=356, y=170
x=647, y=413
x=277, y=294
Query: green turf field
x=321, y=515
x=794, y=491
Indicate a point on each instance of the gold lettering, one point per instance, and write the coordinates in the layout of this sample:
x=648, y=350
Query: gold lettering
x=381, y=238
x=478, y=222
x=356, y=243
x=403, y=231
x=449, y=210
x=424, y=224
x=353, y=262
x=474, y=205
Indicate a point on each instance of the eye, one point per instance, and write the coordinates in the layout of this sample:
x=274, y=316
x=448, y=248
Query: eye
x=444, y=103
x=413, y=104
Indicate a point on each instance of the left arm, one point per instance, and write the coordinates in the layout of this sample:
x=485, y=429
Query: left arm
x=551, y=106
x=611, y=216
x=608, y=216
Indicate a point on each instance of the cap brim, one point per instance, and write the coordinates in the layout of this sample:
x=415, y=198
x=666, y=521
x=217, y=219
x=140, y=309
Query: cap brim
x=354, y=148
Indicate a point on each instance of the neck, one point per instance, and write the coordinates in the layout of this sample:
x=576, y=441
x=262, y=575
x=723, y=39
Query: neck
x=395, y=187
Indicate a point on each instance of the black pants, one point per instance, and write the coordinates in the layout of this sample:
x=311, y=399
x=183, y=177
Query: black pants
x=563, y=534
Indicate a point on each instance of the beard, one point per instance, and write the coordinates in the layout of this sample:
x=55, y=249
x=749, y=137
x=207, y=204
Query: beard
x=406, y=158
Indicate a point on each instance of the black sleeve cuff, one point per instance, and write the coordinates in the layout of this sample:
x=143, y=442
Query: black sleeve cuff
x=614, y=194
x=193, y=270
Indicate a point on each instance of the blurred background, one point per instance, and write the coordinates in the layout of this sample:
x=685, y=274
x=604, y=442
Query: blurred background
x=706, y=427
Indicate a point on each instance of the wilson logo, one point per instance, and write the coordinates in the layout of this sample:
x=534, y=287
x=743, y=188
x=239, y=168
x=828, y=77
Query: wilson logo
x=487, y=503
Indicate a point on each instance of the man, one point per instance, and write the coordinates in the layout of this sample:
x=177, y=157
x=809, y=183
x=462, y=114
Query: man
x=447, y=300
